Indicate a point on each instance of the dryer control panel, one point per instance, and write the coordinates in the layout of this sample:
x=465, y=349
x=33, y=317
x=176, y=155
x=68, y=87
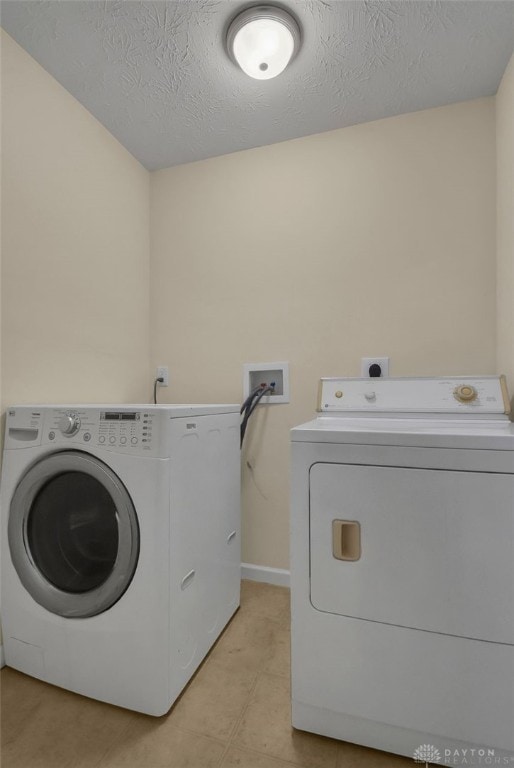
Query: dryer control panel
x=452, y=395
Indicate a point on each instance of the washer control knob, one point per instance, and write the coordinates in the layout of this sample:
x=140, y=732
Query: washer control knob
x=69, y=424
x=339, y=393
x=370, y=396
x=465, y=393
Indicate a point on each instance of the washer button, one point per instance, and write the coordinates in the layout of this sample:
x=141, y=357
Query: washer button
x=123, y=440
x=112, y=439
x=51, y=435
x=101, y=439
x=87, y=437
x=134, y=440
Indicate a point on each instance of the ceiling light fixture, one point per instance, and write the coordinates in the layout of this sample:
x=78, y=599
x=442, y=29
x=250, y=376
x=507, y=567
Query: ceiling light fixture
x=263, y=40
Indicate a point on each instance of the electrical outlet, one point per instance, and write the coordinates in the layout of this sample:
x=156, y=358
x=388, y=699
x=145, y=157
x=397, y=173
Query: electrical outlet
x=367, y=362
x=162, y=373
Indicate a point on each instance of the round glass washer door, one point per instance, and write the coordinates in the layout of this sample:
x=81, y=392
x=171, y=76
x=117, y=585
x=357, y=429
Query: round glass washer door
x=73, y=534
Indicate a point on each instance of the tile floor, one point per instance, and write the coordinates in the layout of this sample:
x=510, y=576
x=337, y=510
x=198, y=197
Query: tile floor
x=234, y=713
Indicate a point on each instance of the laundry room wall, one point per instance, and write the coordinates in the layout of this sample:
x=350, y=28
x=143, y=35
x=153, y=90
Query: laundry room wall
x=2, y=656
x=505, y=223
x=377, y=239
x=75, y=249
x=75, y=244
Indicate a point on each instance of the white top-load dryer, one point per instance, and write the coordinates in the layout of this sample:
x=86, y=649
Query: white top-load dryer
x=120, y=545
x=402, y=567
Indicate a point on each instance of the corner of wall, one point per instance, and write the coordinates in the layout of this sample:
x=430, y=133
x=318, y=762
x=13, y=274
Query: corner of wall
x=505, y=225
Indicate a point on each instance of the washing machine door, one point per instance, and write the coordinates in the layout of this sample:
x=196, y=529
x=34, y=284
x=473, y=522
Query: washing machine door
x=73, y=534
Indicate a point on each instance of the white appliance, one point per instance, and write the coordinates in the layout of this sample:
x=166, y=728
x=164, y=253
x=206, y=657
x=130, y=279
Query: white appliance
x=120, y=545
x=402, y=567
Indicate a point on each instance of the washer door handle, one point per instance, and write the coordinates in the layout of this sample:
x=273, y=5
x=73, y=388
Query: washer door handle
x=346, y=540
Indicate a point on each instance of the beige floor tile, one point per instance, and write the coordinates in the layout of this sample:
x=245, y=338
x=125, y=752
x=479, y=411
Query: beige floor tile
x=157, y=743
x=241, y=691
x=354, y=756
x=266, y=600
x=266, y=727
x=247, y=642
x=254, y=641
x=64, y=730
x=215, y=699
x=20, y=696
x=278, y=658
x=242, y=758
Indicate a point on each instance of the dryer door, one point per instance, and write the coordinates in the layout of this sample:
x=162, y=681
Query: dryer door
x=73, y=534
x=420, y=548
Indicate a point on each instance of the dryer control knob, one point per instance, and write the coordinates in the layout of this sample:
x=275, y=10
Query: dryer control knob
x=69, y=424
x=465, y=393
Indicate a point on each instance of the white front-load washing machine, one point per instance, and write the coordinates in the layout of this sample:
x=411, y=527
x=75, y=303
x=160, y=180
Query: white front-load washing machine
x=402, y=568
x=120, y=545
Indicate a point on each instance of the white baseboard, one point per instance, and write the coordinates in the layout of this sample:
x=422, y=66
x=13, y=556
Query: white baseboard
x=2, y=657
x=278, y=576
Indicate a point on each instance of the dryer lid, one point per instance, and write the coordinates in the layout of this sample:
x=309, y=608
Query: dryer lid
x=491, y=434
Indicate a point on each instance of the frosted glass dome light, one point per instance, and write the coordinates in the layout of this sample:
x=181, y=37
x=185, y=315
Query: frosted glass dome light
x=263, y=40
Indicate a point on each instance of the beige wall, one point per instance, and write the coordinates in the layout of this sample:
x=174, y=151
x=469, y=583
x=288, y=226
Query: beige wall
x=75, y=242
x=2, y=660
x=374, y=239
x=75, y=249
x=505, y=223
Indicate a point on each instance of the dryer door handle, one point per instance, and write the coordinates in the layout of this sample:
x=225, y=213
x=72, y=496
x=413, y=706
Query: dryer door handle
x=346, y=540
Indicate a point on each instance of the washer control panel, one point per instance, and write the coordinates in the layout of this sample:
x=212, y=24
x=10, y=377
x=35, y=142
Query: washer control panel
x=123, y=430
x=465, y=394
x=69, y=423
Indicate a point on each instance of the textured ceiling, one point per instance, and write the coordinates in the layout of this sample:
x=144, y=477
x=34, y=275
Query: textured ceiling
x=157, y=76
